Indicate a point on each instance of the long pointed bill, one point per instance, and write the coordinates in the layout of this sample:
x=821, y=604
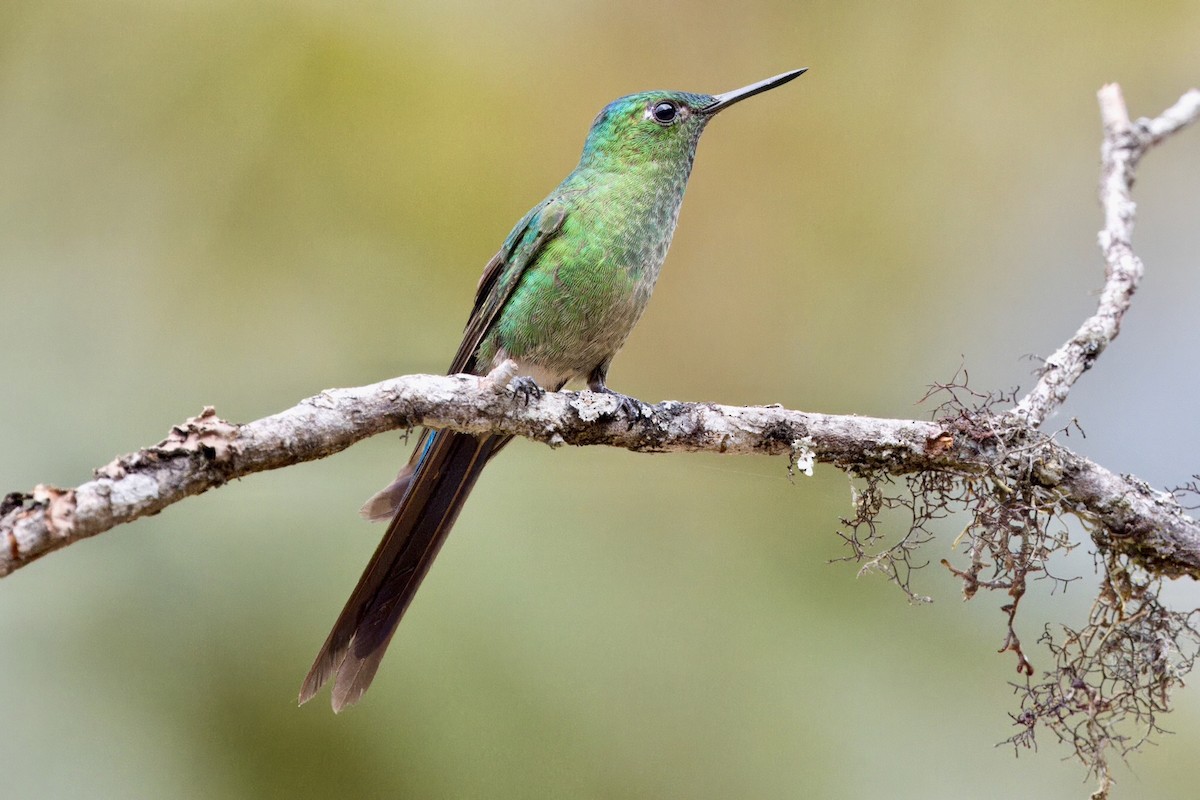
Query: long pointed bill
x=723, y=101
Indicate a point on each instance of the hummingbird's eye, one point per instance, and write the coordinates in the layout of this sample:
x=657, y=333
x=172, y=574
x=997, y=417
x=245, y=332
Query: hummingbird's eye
x=665, y=112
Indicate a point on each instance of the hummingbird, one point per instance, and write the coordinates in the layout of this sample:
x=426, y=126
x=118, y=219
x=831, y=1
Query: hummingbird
x=559, y=299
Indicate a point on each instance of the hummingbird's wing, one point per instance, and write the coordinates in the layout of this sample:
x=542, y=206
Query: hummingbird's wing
x=504, y=272
x=500, y=278
x=429, y=492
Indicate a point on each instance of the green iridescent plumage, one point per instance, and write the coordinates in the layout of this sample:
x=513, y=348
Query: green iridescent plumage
x=612, y=221
x=559, y=299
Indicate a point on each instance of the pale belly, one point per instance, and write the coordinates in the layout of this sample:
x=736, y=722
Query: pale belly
x=566, y=319
x=558, y=335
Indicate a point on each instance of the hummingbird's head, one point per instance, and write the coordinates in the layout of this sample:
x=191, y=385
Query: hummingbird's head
x=660, y=126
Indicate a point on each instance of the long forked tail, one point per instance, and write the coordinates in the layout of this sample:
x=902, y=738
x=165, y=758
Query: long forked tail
x=447, y=470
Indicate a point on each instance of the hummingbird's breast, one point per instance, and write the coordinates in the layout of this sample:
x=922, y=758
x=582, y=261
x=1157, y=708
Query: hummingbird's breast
x=577, y=304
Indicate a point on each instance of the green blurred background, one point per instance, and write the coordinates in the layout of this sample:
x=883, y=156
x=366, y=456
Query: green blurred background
x=241, y=204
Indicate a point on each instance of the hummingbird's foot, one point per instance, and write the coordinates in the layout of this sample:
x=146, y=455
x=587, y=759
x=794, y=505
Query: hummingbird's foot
x=633, y=408
x=526, y=388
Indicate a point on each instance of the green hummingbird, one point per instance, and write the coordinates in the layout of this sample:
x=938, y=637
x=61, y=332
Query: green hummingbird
x=559, y=300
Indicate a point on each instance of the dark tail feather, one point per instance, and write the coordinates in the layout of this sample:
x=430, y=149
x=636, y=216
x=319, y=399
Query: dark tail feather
x=448, y=467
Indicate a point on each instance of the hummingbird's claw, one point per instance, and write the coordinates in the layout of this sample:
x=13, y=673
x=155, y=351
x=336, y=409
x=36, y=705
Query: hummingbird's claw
x=524, y=388
x=633, y=408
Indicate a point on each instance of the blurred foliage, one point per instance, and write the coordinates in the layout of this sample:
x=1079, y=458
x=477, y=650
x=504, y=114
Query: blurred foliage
x=243, y=203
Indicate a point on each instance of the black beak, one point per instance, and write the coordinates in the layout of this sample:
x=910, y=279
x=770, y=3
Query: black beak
x=723, y=101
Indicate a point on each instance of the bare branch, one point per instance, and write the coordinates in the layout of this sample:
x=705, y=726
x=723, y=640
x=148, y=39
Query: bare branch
x=1124, y=145
x=206, y=452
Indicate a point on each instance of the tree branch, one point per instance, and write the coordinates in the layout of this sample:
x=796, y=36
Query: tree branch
x=1127, y=516
x=1124, y=145
x=205, y=452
